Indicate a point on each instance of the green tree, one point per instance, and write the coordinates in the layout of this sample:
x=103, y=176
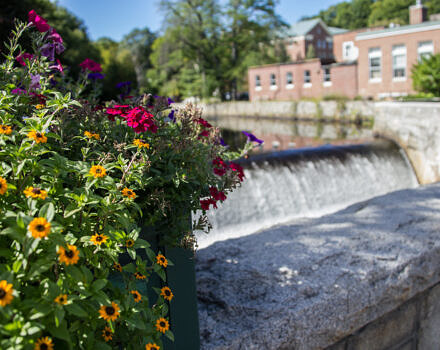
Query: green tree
x=426, y=75
x=310, y=52
x=385, y=12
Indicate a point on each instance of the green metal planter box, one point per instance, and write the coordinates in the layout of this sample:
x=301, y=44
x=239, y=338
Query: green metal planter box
x=180, y=277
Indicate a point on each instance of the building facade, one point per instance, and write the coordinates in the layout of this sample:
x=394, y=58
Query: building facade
x=370, y=62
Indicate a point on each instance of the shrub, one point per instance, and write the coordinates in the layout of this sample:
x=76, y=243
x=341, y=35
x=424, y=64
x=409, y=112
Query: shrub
x=426, y=75
x=78, y=179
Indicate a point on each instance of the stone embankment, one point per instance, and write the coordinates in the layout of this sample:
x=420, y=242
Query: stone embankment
x=415, y=126
x=366, y=277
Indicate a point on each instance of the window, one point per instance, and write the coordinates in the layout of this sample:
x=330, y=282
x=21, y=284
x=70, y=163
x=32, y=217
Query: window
x=257, y=81
x=330, y=44
x=273, y=80
x=399, y=62
x=307, y=79
x=425, y=49
x=374, y=64
x=289, y=78
x=347, y=50
x=318, y=44
x=327, y=77
x=323, y=44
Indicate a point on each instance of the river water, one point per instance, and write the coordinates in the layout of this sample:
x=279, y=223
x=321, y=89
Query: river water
x=306, y=170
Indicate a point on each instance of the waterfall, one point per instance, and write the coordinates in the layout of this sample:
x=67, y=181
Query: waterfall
x=282, y=186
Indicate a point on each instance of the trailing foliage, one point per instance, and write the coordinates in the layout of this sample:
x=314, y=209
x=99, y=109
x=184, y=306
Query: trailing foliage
x=77, y=182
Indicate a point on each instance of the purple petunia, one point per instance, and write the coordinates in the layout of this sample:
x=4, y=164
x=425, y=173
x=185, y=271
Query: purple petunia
x=171, y=116
x=123, y=84
x=35, y=81
x=95, y=76
x=222, y=142
x=18, y=91
x=252, y=137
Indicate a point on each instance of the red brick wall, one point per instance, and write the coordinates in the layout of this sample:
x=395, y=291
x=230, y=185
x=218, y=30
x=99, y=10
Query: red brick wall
x=343, y=81
x=387, y=85
x=296, y=48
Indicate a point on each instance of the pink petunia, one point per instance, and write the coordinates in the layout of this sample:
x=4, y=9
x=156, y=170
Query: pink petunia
x=38, y=21
x=140, y=120
x=90, y=65
x=24, y=56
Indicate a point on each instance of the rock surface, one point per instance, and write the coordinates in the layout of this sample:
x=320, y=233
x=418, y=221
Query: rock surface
x=311, y=283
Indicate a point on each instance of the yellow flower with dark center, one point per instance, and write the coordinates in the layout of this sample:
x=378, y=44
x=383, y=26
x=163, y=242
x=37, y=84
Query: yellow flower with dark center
x=3, y=185
x=107, y=333
x=129, y=243
x=139, y=276
x=35, y=192
x=137, y=297
x=37, y=136
x=98, y=239
x=61, y=299
x=162, y=325
x=69, y=256
x=91, y=135
x=128, y=193
x=44, y=344
x=39, y=106
x=97, y=171
x=166, y=293
x=152, y=346
x=5, y=293
x=141, y=143
x=117, y=266
x=109, y=312
x=5, y=129
x=39, y=227
x=161, y=260
x=96, y=136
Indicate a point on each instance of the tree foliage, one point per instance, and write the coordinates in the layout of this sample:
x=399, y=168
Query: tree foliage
x=426, y=75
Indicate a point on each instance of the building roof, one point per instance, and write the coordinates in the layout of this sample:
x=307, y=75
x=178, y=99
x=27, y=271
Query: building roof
x=397, y=30
x=304, y=27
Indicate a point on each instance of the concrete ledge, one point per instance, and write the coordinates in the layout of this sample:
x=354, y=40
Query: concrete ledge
x=314, y=283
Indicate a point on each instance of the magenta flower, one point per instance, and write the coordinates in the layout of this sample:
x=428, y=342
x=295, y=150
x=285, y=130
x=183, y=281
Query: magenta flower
x=18, y=91
x=55, y=37
x=238, y=169
x=57, y=67
x=205, y=203
x=219, y=166
x=252, y=137
x=24, y=56
x=38, y=21
x=203, y=122
x=140, y=120
x=35, y=81
x=90, y=65
x=204, y=133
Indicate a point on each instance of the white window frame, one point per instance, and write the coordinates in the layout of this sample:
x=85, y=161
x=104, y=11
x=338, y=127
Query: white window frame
x=424, y=48
x=399, y=51
x=346, y=55
x=273, y=81
x=374, y=53
x=307, y=82
x=258, y=83
x=326, y=77
x=289, y=85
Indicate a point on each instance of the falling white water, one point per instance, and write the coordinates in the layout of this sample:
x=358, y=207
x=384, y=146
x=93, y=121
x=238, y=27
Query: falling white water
x=307, y=184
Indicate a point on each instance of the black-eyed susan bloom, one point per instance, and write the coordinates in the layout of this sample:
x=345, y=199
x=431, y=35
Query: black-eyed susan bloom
x=91, y=135
x=162, y=325
x=136, y=295
x=107, y=333
x=39, y=106
x=5, y=130
x=141, y=143
x=44, y=344
x=69, y=256
x=61, y=299
x=117, y=267
x=139, y=276
x=152, y=346
x=97, y=171
x=35, y=192
x=98, y=239
x=37, y=136
x=129, y=243
x=161, y=260
x=3, y=185
x=109, y=312
x=39, y=227
x=128, y=193
x=166, y=293
x=5, y=293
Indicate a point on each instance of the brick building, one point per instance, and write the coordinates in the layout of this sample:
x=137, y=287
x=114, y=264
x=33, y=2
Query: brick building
x=369, y=62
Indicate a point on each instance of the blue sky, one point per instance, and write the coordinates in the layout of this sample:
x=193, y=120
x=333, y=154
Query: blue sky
x=115, y=18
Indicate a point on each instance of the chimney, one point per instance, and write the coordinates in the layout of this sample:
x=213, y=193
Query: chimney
x=418, y=13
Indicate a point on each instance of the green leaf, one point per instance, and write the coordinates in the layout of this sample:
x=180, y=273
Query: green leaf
x=169, y=335
x=99, y=284
x=59, y=315
x=76, y=310
x=60, y=332
x=47, y=211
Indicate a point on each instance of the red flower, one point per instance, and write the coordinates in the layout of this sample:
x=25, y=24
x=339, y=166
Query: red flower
x=90, y=65
x=140, y=120
x=205, y=203
x=24, y=56
x=203, y=122
x=38, y=22
x=219, y=166
x=238, y=169
x=216, y=194
x=204, y=133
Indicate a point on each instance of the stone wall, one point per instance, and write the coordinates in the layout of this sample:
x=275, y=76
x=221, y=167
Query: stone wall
x=363, y=278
